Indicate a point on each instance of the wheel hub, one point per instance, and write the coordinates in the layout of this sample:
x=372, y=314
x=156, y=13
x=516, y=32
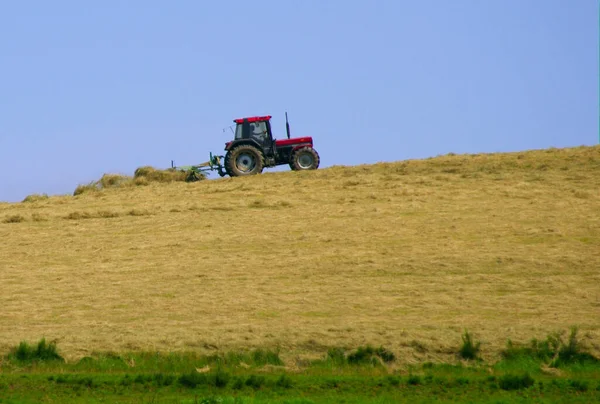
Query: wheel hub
x=305, y=160
x=245, y=162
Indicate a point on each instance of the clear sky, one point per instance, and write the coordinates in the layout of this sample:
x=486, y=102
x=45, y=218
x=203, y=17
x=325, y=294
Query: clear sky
x=88, y=88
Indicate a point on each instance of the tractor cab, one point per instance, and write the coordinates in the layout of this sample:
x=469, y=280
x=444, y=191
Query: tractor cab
x=256, y=130
x=253, y=128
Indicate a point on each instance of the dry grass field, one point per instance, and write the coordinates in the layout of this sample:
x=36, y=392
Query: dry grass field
x=407, y=255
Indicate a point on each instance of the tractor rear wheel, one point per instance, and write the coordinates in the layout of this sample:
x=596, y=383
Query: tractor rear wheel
x=305, y=158
x=226, y=165
x=244, y=160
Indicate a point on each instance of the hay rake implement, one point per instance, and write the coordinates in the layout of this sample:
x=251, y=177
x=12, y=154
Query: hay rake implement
x=198, y=172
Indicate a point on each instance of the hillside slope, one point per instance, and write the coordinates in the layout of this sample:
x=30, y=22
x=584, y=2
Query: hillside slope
x=406, y=254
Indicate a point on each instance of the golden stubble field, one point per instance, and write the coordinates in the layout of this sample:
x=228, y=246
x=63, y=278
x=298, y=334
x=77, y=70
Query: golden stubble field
x=407, y=255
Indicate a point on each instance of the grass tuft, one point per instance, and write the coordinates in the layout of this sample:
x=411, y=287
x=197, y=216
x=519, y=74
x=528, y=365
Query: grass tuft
x=86, y=189
x=393, y=380
x=470, y=348
x=238, y=383
x=553, y=350
x=284, y=382
x=36, y=217
x=35, y=198
x=414, y=380
x=364, y=355
x=107, y=214
x=571, y=351
x=538, y=350
x=164, y=380
x=192, y=379
x=386, y=355
x=43, y=351
x=516, y=382
x=370, y=355
x=126, y=381
x=579, y=385
x=258, y=204
x=255, y=381
x=78, y=215
x=220, y=379
x=138, y=212
x=336, y=356
x=14, y=219
x=262, y=357
x=142, y=379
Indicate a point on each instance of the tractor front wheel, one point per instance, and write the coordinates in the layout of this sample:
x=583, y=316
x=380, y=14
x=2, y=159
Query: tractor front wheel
x=244, y=160
x=305, y=158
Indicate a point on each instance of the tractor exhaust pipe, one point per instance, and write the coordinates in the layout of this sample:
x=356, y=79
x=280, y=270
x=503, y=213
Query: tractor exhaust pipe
x=287, y=126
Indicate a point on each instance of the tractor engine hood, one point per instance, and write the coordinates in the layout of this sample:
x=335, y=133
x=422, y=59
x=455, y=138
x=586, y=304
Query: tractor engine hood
x=307, y=140
x=298, y=141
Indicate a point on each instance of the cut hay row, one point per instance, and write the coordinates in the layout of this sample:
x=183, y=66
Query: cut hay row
x=141, y=177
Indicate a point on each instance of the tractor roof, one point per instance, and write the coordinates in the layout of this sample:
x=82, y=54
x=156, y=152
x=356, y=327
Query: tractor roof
x=253, y=119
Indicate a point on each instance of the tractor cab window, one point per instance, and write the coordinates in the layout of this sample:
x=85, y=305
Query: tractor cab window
x=239, y=134
x=258, y=131
x=252, y=130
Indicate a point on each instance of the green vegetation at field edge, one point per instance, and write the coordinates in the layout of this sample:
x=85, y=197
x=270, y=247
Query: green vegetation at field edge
x=32, y=373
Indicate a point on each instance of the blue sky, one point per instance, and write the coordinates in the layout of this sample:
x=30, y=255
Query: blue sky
x=88, y=88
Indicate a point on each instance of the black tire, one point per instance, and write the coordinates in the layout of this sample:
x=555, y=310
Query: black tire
x=226, y=164
x=244, y=160
x=305, y=158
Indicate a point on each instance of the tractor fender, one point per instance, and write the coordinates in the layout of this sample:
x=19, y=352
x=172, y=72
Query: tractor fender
x=302, y=146
x=235, y=143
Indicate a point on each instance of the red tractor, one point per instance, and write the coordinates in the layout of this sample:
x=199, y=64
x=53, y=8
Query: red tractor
x=254, y=148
